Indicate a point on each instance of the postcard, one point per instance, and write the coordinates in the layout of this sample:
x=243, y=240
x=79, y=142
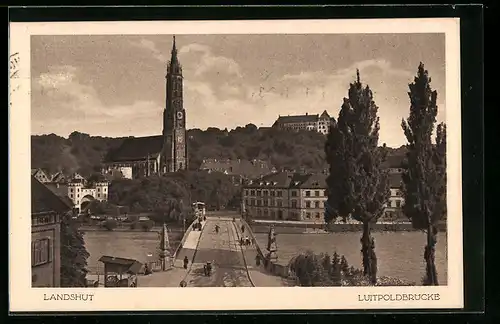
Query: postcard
x=235, y=165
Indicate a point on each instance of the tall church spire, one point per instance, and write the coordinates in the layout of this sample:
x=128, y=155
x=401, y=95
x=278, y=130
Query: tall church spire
x=175, y=66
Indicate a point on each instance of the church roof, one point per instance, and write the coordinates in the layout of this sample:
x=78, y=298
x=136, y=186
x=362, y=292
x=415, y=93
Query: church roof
x=137, y=148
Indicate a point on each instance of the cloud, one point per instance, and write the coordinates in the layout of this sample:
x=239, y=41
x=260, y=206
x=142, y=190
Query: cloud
x=305, y=92
x=60, y=101
x=205, y=61
x=150, y=46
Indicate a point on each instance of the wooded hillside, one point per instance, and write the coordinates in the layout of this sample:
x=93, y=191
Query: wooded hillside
x=83, y=153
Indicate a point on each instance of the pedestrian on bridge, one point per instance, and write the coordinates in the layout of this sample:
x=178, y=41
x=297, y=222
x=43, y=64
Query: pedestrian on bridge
x=186, y=261
x=242, y=228
x=217, y=228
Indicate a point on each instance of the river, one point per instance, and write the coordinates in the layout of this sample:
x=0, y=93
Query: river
x=399, y=254
x=142, y=246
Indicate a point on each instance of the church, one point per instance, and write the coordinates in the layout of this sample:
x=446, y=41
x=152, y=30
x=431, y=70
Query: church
x=140, y=157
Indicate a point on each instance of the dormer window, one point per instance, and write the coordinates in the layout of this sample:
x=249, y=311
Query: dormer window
x=275, y=183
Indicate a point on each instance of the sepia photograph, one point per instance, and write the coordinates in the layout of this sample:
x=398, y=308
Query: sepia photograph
x=168, y=159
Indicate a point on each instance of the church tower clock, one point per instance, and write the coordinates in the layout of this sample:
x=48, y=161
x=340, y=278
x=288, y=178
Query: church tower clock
x=174, y=118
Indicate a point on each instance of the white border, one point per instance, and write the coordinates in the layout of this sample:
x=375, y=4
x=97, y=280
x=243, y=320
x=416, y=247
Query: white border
x=24, y=298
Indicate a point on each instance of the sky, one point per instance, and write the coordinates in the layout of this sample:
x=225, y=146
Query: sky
x=115, y=85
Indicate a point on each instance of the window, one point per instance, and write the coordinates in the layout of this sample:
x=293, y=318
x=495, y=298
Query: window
x=258, y=193
x=398, y=203
x=71, y=195
x=273, y=193
x=259, y=212
x=266, y=202
x=71, y=189
x=308, y=193
x=98, y=195
x=266, y=212
x=294, y=193
x=252, y=202
x=273, y=214
x=316, y=193
x=98, y=189
x=318, y=215
x=41, y=252
x=259, y=202
x=252, y=192
x=316, y=204
x=247, y=201
x=308, y=215
x=280, y=203
x=280, y=193
x=308, y=204
x=266, y=193
x=294, y=203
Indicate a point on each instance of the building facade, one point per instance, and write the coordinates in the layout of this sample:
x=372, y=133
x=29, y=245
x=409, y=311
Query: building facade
x=47, y=210
x=79, y=192
x=144, y=156
x=286, y=196
x=318, y=123
x=394, y=207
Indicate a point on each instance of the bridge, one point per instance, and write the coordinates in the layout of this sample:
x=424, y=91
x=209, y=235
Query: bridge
x=233, y=265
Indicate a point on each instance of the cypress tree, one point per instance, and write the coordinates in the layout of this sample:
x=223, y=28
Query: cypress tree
x=73, y=255
x=357, y=184
x=424, y=176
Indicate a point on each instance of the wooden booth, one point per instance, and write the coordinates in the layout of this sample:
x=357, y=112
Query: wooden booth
x=120, y=272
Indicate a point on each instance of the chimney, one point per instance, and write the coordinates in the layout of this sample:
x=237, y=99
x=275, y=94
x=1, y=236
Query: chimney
x=307, y=114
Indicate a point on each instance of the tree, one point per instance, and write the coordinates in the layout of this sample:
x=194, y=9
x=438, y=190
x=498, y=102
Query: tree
x=357, y=183
x=73, y=255
x=424, y=176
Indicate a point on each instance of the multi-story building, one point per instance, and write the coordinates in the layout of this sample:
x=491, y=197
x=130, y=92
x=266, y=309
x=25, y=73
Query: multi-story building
x=286, y=196
x=318, y=123
x=81, y=192
x=47, y=210
x=144, y=156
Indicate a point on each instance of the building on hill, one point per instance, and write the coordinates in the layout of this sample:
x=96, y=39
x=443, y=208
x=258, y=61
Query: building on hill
x=41, y=175
x=47, y=210
x=318, y=123
x=286, y=196
x=145, y=156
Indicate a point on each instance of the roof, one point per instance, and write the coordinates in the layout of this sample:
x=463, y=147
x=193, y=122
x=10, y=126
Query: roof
x=61, y=191
x=286, y=179
x=297, y=119
x=43, y=200
x=127, y=265
x=395, y=180
x=246, y=168
x=137, y=148
x=59, y=177
x=315, y=180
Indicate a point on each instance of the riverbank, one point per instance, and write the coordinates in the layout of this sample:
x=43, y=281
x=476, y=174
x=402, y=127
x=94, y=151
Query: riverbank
x=295, y=227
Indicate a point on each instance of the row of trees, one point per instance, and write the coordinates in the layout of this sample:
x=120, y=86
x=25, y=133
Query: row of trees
x=358, y=184
x=169, y=197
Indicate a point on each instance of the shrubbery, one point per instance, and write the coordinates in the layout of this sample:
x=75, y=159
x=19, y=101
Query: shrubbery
x=313, y=270
x=110, y=224
x=146, y=226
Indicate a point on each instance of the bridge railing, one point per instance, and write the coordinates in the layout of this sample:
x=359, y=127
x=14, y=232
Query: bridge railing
x=183, y=240
x=275, y=268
